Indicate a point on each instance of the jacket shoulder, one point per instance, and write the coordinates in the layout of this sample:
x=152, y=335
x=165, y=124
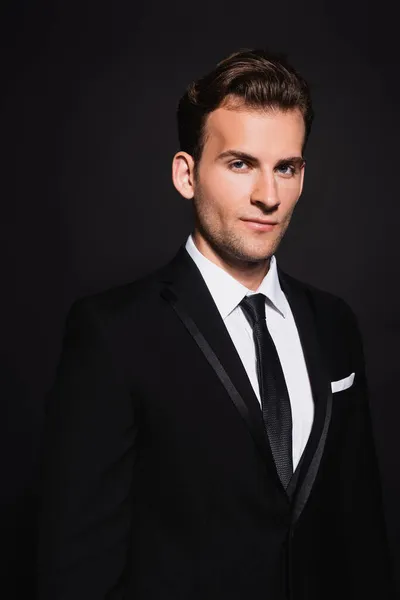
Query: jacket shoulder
x=117, y=304
x=323, y=303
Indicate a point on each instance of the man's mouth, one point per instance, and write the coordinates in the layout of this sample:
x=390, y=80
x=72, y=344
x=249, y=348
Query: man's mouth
x=260, y=224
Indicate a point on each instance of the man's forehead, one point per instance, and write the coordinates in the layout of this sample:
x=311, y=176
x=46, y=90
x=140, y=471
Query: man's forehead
x=229, y=126
x=221, y=119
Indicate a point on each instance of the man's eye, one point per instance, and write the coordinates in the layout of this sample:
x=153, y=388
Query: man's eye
x=237, y=164
x=287, y=169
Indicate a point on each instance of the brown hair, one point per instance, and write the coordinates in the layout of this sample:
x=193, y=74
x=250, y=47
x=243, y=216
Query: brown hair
x=257, y=79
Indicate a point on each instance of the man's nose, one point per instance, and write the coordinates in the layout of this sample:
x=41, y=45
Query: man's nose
x=265, y=190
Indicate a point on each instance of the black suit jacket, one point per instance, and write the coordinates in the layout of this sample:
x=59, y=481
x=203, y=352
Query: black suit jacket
x=158, y=482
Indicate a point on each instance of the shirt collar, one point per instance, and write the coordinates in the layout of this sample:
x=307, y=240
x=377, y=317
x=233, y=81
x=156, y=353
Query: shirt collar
x=227, y=292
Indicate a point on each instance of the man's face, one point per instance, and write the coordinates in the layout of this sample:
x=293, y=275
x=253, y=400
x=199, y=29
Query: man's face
x=235, y=194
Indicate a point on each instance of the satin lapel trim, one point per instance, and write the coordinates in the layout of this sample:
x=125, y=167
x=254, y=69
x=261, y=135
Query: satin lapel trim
x=257, y=433
x=321, y=390
x=308, y=481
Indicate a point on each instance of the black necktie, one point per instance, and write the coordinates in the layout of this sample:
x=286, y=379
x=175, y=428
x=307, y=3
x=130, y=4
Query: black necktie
x=275, y=402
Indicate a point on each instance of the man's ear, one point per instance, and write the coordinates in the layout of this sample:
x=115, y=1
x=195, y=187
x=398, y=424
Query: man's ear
x=182, y=174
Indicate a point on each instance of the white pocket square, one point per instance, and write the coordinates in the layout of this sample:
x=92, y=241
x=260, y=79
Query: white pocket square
x=342, y=384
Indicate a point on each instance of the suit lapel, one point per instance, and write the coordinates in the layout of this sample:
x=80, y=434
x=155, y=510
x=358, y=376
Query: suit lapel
x=304, y=477
x=185, y=290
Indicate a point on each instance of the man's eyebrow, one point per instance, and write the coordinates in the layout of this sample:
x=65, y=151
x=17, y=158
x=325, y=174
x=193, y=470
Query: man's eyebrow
x=298, y=160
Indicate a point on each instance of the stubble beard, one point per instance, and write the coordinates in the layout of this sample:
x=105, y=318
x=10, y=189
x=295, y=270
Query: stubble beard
x=235, y=248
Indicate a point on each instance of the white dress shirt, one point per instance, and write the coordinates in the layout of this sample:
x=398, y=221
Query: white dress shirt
x=227, y=293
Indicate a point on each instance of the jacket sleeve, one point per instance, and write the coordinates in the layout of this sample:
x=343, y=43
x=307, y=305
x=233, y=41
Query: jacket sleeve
x=86, y=472
x=362, y=512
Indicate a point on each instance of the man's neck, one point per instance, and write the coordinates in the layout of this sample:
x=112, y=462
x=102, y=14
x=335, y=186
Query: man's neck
x=249, y=274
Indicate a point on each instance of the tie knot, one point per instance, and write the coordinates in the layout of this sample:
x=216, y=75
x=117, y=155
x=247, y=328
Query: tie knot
x=254, y=308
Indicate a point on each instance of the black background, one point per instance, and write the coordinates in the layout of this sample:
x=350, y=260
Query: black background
x=88, y=134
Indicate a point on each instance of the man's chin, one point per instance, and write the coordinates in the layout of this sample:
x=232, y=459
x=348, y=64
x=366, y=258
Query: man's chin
x=236, y=249
x=252, y=255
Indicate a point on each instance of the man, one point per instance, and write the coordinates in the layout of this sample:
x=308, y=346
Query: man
x=208, y=434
